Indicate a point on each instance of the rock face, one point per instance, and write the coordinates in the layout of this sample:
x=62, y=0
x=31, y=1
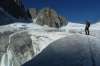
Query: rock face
x=14, y=10
x=49, y=17
x=33, y=12
x=73, y=50
x=63, y=20
x=5, y=17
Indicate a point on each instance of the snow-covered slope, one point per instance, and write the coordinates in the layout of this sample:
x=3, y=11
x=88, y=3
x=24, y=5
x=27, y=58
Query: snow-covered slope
x=21, y=49
x=30, y=26
x=79, y=28
x=24, y=44
x=72, y=50
x=70, y=26
x=34, y=38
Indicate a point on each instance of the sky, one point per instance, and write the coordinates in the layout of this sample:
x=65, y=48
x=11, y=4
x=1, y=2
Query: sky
x=73, y=10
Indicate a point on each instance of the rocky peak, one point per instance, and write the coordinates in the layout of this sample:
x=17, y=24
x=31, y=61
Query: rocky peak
x=48, y=16
x=33, y=12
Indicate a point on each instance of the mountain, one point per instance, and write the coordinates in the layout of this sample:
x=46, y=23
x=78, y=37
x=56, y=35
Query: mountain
x=48, y=16
x=50, y=36
x=13, y=11
x=33, y=12
x=14, y=8
x=5, y=17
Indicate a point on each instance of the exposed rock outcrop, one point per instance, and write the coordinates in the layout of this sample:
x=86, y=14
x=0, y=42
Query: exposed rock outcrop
x=5, y=18
x=49, y=17
x=63, y=20
x=14, y=8
x=33, y=12
x=13, y=11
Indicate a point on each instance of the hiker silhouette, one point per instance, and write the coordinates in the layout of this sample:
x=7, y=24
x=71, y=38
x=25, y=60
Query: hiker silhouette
x=87, y=32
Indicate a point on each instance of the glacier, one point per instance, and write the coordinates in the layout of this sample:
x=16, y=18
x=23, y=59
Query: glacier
x=25, y=44
x=72, y=50
x=35, y=38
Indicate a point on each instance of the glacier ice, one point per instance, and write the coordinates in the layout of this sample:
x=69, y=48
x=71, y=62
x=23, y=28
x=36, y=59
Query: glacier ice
x=35, y=39
x=20, y=39
x=8, y=59
x=72, y=50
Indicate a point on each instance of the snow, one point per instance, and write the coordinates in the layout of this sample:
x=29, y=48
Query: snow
x=42, y=36
x=3, y=60
x=29, y=26
x=72, y=50
x=41, y=40
x=79, y=28
x=8, y=59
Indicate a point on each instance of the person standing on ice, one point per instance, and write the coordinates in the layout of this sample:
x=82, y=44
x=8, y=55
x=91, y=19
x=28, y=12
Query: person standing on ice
x=87, y=32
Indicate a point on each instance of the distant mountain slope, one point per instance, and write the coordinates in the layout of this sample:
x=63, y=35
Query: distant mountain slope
x=14, y=8
x=13, y=11
x=5, y=18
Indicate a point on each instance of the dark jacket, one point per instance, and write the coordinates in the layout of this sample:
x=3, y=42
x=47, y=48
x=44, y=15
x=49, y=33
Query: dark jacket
x=87, y=25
